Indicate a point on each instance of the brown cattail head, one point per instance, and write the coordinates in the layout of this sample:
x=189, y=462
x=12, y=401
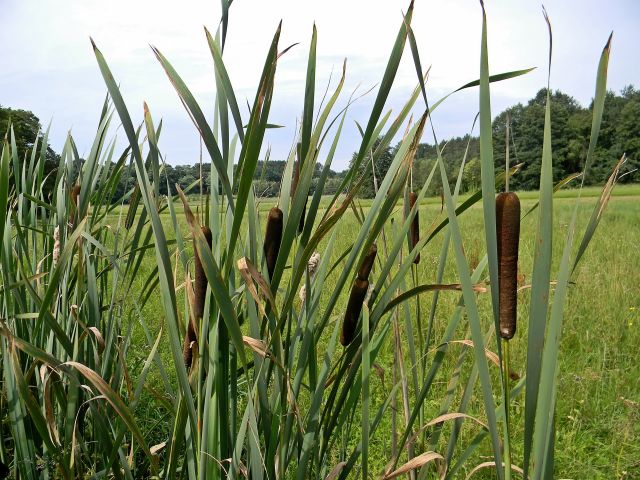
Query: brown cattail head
x=508, y=232
x=354, y=307
x=190, y=343
x=200, y=279
x=272, y=239
x=414, y=231
x=133, y=206
x=200, y=291
x=367, y=263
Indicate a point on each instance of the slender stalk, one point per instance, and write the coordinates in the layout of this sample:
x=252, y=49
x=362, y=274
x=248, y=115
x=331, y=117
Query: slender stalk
x=506, y=178
x=507, y=441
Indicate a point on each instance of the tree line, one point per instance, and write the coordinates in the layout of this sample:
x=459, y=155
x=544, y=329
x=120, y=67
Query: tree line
x=570, y=130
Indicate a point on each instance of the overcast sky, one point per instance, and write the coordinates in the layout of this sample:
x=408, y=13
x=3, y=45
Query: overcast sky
x=48, y=65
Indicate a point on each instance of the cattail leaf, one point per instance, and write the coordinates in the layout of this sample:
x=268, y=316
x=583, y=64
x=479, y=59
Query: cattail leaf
x=4, y=186
x=487, y=173
x=252, y=145
x=415, y=291
x=558, y=186
x=472, y=308
x=114, y=399
x=309, y=96
x=598, y=210
x=545, y=407
x=221, y=72
x=199, y=120
x=541, y=275
x=162, y=254
x=417, y=462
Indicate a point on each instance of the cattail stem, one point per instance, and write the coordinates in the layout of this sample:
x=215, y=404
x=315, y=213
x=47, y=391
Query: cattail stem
x=507, y=440
x=506, y=157
x=272, y=239
x=414, y=231
x=508, y=234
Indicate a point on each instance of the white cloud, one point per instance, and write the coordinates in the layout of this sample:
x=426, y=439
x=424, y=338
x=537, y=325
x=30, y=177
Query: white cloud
x=48, y=65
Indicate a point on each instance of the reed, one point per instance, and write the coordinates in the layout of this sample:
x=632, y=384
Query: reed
x=89, y=387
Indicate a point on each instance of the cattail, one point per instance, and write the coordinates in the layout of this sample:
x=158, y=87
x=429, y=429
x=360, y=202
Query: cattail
x=358, y=293
x=272, y=239
x=56, y=246
x=414, y=231
x=508, y=232
x=200, y=287
x=200, y=291
x=133, y=206
x=367, y=263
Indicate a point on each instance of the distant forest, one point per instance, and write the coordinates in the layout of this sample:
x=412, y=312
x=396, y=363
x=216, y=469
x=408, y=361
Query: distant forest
x=571, y=126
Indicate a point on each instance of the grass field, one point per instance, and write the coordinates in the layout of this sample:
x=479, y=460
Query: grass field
x=598, y=414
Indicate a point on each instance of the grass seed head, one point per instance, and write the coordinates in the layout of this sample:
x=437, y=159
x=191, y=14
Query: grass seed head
x=508, y=232
x=272, y=239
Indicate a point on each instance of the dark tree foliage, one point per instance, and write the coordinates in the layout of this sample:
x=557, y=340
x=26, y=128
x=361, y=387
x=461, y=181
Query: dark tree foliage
x=26, y=129
x=570, y=132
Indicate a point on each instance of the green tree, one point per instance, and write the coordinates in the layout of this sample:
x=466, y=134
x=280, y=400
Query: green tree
x=26, y=128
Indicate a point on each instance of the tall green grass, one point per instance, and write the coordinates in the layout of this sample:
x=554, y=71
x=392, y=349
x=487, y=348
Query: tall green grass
x=269, y=393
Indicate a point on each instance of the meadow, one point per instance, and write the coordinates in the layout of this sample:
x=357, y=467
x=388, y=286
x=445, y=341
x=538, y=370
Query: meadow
x=598, y=412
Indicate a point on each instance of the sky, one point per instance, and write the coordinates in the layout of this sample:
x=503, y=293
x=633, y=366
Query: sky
x=48, y=65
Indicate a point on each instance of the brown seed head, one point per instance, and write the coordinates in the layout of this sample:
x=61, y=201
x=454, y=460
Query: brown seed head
x=272, y=239
x=200, y=279
x=200, y=291
x=352, y=313
x=508, y=232
x=367, y=263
